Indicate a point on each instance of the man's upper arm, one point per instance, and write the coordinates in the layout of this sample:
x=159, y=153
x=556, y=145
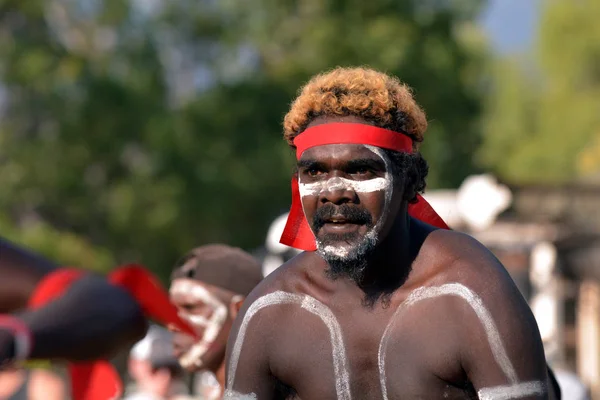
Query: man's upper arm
x=248, y=373
x=502, y=353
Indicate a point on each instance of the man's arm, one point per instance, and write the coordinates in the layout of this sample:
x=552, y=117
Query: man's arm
x=248, y=374
x=21, y=270
x=91, y=320
x=501, y=351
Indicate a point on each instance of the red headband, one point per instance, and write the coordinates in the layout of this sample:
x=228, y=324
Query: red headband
x=297, y=232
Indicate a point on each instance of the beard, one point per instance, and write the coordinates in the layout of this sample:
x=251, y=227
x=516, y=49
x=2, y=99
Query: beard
x=347, y=254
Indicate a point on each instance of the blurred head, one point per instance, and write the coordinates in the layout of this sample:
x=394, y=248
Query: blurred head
x=352, y=193
x=208, y=286
x=152, y=364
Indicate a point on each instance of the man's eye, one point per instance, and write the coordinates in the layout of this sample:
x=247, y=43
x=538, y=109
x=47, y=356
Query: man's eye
x=313, y=172
x=360, y=171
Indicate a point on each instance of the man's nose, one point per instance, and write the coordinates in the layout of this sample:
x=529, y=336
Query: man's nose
x=337, y=191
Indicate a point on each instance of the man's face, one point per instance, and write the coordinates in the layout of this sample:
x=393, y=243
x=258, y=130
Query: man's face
x=347, y=192
x=206, y=309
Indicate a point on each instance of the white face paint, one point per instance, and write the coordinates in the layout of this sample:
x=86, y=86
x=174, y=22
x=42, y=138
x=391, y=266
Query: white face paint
x=212, y=325
x=384, y=183
x=337, y=183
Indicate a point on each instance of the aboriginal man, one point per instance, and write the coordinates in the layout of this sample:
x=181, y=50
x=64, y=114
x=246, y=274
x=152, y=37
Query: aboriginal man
x=384, y=303
x=208, y=287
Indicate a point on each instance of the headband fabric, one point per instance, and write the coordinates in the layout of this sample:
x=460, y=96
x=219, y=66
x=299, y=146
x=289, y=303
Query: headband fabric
x=297, y=232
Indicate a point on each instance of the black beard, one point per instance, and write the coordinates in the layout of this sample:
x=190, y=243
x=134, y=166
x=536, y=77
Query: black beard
x=354, y=264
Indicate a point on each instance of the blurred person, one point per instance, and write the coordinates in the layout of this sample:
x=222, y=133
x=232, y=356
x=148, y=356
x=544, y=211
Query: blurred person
x=66, y=314
x=385, y=301
x=32, y=384
x=154, y=368
x=208, y=286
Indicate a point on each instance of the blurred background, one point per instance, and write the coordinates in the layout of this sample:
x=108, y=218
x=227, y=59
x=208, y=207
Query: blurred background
x=135, y=130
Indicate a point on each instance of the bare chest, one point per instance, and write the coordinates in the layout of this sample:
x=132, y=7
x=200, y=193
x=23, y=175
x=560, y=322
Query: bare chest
x=337, y=351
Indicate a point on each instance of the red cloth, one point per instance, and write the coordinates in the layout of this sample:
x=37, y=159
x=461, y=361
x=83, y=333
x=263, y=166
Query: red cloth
x=297, y=232
x=98, y=380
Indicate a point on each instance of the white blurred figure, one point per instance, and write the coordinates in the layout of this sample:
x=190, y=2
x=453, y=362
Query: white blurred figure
x=277, y=253
x=477, y=202
x=571, y=386
x=154, y=368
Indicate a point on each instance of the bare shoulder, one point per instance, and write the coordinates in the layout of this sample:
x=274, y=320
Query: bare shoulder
x=493, y=320
x=286, y=285
x=294, y=277
x=460, y=258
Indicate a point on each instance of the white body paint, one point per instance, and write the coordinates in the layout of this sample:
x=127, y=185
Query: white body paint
x=233, y=395
x=451, y=289
x=515, y=391
x=341, y=375
x=212, y=325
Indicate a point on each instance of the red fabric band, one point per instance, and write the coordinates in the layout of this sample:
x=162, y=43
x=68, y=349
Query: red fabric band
x=297, y=232
x=344, y=133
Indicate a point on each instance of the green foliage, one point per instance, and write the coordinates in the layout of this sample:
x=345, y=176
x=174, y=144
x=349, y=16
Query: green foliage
x=144, y=132
x=543, y=122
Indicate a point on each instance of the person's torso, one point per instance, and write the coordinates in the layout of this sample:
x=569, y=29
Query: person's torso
x=328, y=345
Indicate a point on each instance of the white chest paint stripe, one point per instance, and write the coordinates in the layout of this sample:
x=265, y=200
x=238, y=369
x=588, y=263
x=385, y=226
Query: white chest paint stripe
x=341, y=375
x=516, y=391
x=451, y=289
x=337, y=183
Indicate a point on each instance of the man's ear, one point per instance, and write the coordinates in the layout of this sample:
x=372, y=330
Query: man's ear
x=235, y=305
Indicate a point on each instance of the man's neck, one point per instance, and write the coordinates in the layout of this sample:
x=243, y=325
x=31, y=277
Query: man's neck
x=388, y=267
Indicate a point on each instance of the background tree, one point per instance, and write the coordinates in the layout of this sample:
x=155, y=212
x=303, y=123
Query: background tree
x=136, y=130
x=543, y=119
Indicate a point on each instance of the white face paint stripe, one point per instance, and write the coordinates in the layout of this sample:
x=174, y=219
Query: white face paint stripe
x=233, y=395
x=508, y=392
x=212, y=325
x=337, y=183
x=186, y=287
x=388, y=173
x=451, y=289
x=341, y=375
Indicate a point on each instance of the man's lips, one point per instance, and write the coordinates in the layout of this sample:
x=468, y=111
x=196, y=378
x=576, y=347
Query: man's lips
x=339, y=224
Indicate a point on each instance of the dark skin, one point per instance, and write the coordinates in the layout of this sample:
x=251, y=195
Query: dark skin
x=438, y=348
x=92, y=320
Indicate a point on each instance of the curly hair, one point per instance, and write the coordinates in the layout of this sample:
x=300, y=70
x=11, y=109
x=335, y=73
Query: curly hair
x=362, y=92
x=379, y=99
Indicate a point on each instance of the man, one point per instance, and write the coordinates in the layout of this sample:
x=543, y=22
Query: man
x=208, y=286
x=68, y=314
x=389, y=306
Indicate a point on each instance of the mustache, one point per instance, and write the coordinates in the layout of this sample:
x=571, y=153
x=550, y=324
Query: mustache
x=351, y=214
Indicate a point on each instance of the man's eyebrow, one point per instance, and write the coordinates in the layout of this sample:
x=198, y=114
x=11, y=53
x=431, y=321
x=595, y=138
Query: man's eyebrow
x=310, y=163
x=372, y=163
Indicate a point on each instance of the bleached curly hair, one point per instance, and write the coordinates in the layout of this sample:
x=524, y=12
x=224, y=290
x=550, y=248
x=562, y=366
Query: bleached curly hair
x=362, y=92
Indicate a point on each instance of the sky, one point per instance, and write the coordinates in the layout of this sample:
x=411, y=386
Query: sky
x=511, y=24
